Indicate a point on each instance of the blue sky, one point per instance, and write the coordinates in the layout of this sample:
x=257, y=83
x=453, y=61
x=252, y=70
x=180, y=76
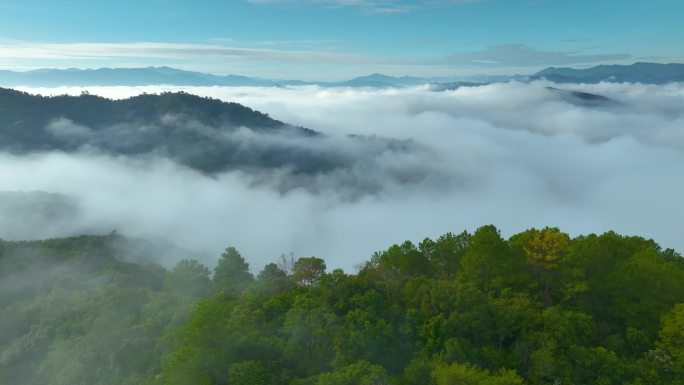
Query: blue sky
x=336, y=39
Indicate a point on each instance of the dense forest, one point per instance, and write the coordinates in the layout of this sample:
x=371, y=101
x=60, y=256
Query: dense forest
x=469, y=308
x=202, y=133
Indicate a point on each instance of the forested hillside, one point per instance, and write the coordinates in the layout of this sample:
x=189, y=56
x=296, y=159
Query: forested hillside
x=537, y=308
x=202, y=133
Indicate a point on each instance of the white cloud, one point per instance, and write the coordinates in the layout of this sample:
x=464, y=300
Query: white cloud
x=514, y=155
x=253, y=59
x=299, y=59
x=374, y=6
x=520, y=55
x=24, y=50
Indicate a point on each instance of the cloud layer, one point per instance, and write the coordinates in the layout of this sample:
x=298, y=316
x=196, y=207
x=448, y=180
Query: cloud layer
x=516, y=155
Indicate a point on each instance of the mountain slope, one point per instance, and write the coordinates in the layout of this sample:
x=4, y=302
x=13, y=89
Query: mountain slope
x=202, y=133
x=466, y=308
x=206, y=135
x=383, y=81
x=649, y=73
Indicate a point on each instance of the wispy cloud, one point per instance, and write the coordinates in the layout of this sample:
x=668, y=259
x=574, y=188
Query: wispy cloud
x=22, y=50
x=264, y=59
x=520, y=55
x=373, y=6
x=303, y=59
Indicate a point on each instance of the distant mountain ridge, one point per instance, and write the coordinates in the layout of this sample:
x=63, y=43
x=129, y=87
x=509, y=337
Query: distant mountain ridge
x=48, y=77
x=380, y=81
x=176, y=77
x=649, y=73
x=126, y=77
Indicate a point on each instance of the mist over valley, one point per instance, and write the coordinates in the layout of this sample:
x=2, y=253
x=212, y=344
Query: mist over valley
x=207, y=174
x=341, y=192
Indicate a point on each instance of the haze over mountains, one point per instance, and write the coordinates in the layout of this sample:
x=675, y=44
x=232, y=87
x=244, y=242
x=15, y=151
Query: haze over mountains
x=262, y=151
x=205, y=171
x=93, y=309
x=172, y=76
x=203, y=134
x=646, y=73
x=198, y=132
x=341, y=192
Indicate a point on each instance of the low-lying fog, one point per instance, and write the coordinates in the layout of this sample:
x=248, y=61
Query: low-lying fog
x=514, y=155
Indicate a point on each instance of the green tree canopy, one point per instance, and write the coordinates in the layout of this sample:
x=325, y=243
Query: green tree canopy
x=308, y=271
x=189, y=278
x=232, y=272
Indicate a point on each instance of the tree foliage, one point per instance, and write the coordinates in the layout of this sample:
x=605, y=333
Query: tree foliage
x=538, y=308
x=232, y=272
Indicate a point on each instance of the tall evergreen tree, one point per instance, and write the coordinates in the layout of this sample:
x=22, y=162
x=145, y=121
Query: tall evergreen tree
x=232, y=272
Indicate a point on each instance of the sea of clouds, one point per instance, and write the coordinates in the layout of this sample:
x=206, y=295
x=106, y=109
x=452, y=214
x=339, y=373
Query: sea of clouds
x=511, y=154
